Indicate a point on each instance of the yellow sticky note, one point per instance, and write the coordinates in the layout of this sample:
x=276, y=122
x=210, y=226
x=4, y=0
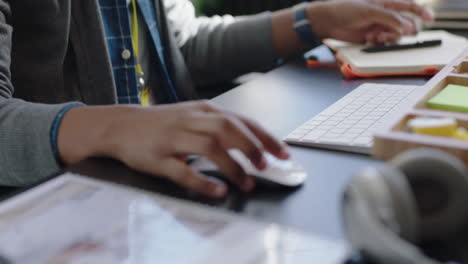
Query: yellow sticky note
x=445, y=127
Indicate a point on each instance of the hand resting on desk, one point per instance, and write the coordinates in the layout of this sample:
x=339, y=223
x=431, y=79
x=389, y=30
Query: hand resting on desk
x=356, y=21
x=359, y=21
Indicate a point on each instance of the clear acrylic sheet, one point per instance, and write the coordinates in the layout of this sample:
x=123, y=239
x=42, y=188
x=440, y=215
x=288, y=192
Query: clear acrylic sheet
x=73, y=219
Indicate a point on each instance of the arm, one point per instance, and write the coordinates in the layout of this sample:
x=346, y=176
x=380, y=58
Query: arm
x=154, y=140
x=356, y=21
x=26, y=154
x=220, y=48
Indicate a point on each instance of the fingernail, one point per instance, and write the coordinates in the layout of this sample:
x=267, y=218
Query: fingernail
x=220, y=190
x=285, y=153
x=249, y=184
x=263, y=163
x=382, y=38
x=401, y=30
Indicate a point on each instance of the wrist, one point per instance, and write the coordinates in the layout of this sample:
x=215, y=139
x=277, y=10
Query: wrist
x=89, y=132
x=316, y=14
x=303, y=28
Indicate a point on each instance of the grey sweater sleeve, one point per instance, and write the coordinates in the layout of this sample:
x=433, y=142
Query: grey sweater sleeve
x=221, y=48
x=26, y=154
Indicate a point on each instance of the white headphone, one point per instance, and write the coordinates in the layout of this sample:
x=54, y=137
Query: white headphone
x=422, y=195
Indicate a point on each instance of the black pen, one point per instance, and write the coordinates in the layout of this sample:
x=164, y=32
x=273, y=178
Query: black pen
x=419, y=44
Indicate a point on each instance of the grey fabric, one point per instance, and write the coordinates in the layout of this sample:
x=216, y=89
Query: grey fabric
x=57, y=54
x=220, y=48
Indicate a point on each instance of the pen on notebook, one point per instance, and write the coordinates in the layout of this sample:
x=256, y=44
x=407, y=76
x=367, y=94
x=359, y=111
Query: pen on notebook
x=420, y=44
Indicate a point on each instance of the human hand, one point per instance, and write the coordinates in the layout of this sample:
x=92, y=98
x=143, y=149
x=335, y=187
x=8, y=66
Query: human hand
x=157, y=140
x=360, y=22
x=409, y=6
x=410, y=11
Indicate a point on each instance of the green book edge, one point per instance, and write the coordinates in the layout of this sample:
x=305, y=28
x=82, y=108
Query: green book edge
x=447, y=107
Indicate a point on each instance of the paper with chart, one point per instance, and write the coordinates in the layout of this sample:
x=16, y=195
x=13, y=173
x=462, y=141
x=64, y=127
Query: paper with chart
x=73, y=219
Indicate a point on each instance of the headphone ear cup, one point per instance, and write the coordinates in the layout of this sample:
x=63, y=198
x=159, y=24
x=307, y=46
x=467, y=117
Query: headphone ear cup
x=370, y=217
x=439, y=183
x=404, y=205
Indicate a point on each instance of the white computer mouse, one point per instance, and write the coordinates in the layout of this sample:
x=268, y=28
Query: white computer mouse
x=283, y=172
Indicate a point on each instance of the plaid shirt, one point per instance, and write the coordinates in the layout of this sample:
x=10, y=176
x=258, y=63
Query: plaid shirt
x=116, y=21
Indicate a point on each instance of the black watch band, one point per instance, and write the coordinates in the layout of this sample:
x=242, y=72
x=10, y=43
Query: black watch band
x=303, y=28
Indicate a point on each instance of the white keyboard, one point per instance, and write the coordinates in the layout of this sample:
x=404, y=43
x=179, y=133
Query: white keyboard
x=349, y=124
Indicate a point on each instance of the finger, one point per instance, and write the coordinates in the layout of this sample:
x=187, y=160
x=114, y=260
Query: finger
x=194, y=106
x=198, y=144
x=207, y=106
x=232, y=170
x=414, y=28
x=180, y=173
x=410, y=6
x=390, y=20
x=230, y=133
x=387, y=38
x=270, y=143
x=372, y=34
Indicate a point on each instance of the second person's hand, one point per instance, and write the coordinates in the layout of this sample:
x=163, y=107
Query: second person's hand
x=359, y=21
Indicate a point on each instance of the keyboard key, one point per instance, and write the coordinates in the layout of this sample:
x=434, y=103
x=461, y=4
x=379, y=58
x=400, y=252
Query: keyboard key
x=336, y=118
x=344, y=126
x=349, y=122
x=366, y=122
x=320, y=118
x=355, y=131
x=330, y=123
x=363, y=141
x=314, y=135
x=332, y=134
x=324, y=127
x=339, y=130
x=313, y=123
x=361, y=126
x=295, y=136
x=343, y=114
x=343, y=141
x=309, y=128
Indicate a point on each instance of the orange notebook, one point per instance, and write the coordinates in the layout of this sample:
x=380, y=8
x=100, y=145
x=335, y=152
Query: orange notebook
x=421, y=61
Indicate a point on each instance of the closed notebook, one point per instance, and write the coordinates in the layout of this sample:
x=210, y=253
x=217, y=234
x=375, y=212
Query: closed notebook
x=452, y=98
x=420, y=61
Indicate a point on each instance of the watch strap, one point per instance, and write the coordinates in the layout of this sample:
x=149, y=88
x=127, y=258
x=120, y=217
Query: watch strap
x=303, y=28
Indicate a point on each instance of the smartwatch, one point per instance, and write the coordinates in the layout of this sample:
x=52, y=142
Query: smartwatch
x=303, y=28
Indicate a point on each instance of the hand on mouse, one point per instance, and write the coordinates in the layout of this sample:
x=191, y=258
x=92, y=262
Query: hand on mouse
x=156, y=140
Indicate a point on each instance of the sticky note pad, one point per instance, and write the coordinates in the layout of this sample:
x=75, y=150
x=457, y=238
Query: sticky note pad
x=452, y=98
x=433, y=126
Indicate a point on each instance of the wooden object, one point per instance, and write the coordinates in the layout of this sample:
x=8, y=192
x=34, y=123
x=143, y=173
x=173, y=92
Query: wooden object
x=388, y=143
